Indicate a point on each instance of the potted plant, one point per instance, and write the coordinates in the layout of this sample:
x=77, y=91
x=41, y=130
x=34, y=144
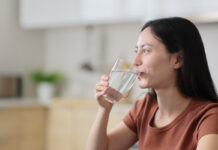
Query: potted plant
x=45, y=84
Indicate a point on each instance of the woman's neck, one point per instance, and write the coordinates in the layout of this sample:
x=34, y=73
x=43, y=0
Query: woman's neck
x=171, y=101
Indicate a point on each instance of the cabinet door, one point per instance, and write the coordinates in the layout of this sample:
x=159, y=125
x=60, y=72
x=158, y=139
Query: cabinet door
x=82, y=120
x=68, y=127
x=22, y=128
x=53, y=13
x=59, y=129
x=32, y=129
x=8, y=129
x=48, y=13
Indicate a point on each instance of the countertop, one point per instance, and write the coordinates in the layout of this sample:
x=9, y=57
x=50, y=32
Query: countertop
x=20, y=102
x=57, y=102
x=89, y=104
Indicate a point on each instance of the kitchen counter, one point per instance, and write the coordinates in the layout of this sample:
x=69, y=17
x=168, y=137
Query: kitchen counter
x=69, y=118
x=23, y=124
x=20, y=102
x=70, y=103
x=89, y=104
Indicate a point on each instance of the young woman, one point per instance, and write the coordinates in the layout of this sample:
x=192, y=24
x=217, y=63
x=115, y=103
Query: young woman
x=181, y=112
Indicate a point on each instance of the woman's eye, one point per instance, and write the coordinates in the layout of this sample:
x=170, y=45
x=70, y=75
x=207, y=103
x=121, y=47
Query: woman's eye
x=145, y=50
x=136, y=51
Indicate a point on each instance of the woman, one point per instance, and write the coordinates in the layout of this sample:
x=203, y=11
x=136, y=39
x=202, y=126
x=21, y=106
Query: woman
x=181, y=113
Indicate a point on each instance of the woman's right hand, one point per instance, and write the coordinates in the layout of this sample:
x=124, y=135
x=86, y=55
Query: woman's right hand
x=101, y=89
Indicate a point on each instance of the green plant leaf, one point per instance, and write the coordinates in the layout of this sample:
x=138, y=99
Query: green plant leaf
x=41, y=76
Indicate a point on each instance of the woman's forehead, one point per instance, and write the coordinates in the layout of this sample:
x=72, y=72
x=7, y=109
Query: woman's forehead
x=147, y=38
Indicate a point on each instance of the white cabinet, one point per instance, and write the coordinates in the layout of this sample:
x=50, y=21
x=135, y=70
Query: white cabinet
x=51, y=13
x=194, y=9
x=112, y=10
x=48, y=13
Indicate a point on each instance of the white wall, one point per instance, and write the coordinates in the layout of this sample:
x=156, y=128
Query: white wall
x=65, y=49
x=209, y=34
x=20, y=50
x=68, y=48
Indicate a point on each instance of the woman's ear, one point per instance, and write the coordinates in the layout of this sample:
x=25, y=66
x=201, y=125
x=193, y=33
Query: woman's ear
x=178, y=60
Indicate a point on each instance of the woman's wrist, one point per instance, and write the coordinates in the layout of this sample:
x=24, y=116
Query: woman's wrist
x=104, y=110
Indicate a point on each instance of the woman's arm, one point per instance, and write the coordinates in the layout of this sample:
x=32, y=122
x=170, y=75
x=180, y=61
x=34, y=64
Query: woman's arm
x=208, y=142
x=119, y=138
x=97, y=139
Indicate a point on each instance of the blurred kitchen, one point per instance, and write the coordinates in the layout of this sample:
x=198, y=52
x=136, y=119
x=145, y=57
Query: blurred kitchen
x=53, y=52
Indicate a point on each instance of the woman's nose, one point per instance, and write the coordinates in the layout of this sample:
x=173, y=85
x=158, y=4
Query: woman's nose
x=137, y=60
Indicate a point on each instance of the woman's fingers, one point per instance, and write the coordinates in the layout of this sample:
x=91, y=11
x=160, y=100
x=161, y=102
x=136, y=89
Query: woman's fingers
x=98, y=95
x=104, y=78
x=102, y=85
x=103, y=81
x=100, y=88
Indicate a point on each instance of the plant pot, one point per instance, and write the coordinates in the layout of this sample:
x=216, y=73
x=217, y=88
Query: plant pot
x=45, y=92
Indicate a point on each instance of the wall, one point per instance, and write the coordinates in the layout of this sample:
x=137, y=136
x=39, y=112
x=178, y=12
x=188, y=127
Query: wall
x=68, y=48
x=20, y=50
x=209, y=34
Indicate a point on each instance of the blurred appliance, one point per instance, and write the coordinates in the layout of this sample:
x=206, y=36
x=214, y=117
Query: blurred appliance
x=10, y=86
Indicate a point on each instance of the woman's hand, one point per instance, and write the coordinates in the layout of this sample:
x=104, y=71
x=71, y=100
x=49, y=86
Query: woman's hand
x=101, y=88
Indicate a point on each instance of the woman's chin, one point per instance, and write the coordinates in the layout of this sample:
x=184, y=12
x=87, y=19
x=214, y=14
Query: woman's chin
x=143, y=85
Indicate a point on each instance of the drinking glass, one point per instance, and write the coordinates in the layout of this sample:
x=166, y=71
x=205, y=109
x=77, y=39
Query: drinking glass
x=121, y=79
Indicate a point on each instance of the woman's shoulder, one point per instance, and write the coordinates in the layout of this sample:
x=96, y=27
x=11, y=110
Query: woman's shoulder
x=206, y=114
x=204, y=103
x=205, y=106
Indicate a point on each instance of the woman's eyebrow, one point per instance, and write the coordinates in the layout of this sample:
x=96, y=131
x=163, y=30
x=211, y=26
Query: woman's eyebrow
x=143, y=45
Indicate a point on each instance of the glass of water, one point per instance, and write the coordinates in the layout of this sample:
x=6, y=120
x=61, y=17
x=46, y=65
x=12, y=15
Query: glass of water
x=122, y=78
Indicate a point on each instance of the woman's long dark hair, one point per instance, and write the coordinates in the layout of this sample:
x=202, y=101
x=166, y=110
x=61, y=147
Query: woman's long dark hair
x=179, y=34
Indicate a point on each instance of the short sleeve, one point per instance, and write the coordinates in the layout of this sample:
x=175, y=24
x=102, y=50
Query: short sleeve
x=209, y=123
x=131, y=117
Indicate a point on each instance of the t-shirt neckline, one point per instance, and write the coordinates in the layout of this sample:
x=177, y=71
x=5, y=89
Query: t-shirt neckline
x=172, y=123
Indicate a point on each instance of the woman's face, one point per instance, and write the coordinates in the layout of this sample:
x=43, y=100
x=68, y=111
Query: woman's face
x=156, y=66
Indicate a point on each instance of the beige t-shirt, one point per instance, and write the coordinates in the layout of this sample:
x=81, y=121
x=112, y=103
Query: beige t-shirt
x=183, y=133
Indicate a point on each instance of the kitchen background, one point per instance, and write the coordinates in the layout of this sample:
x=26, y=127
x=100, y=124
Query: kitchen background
x=80, y=39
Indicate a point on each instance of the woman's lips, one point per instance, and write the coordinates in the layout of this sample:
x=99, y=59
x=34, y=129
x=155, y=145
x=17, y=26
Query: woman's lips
x=140, y=75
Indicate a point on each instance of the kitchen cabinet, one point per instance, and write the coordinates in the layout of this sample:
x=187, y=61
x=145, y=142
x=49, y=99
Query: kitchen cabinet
x=198, y=11
x=53, y=13
x=69, y=123
x=22, y=127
